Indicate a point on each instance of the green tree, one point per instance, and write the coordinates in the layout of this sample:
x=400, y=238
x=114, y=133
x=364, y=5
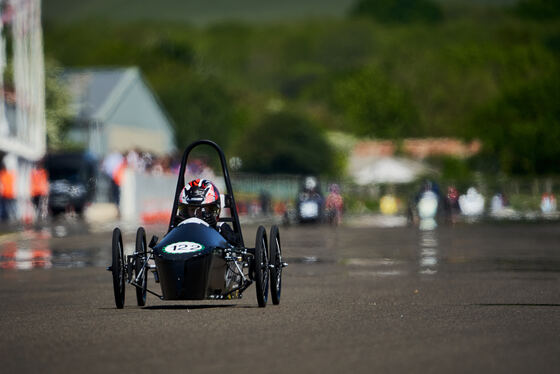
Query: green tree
x=286, y=143
x=201, y=107
x=57, y=106
x=538, y=9
x=399, y=11
x=374, y=106
x=522, y=127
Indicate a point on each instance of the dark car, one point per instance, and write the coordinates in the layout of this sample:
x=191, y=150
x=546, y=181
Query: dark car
x=72, y=181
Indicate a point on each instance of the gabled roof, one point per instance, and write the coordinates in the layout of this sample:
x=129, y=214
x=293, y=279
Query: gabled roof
x=96, y=92
x=418, y=148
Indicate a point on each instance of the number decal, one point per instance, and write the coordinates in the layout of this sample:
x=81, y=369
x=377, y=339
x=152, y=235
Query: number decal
x=183, y=247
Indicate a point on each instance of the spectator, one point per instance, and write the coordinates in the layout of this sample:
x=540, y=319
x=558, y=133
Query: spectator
x=134, y=161
x=548, y=203
x=114, y=166
x=7, y=194
x=264, y=198
x=334, y=205
x=39, y=190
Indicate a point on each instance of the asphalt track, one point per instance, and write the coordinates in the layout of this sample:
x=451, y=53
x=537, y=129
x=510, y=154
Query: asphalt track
x=462, y=299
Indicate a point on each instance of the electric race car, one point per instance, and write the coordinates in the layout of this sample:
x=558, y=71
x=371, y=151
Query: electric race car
x=194, y=261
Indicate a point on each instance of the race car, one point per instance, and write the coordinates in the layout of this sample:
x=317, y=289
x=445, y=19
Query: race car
x=194, y=261
x=309, y=203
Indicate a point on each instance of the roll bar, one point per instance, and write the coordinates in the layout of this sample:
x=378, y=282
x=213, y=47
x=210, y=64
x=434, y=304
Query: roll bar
x=229, y=199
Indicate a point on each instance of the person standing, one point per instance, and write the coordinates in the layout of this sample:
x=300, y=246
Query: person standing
x=118, y=176
x=39, y=190
x=334, y=205
x=114, y=166
x=8, y=193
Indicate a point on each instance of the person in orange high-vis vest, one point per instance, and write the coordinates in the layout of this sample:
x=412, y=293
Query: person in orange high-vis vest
x=39, y=190
x=7, y=194
x=118, y=175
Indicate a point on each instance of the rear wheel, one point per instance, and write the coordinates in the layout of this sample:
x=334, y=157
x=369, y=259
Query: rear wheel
x=261, y=267
x=276, y=265
x=118, y=268
x=140, y=259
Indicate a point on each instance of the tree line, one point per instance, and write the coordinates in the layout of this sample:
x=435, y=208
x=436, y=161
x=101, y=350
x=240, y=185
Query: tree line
x=390, y=69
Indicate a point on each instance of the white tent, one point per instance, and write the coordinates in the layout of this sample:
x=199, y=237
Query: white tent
x=385, y=170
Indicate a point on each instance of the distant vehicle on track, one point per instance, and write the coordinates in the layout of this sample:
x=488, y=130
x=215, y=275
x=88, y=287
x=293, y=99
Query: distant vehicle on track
x=471, y=203
x=426, y=203
x=309, y=202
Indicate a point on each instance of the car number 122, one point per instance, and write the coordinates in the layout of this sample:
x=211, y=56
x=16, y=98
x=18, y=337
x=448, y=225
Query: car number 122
x=183, y=247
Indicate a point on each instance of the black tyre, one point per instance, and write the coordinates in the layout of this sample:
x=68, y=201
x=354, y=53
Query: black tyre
x=261, y=267
x=118, y=268
x=276, y=262
x=141, y=259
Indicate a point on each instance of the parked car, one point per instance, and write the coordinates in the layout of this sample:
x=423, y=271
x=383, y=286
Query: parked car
x=72, y=181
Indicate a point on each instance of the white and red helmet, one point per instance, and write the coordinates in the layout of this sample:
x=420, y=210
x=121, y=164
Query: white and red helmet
x=200, y=198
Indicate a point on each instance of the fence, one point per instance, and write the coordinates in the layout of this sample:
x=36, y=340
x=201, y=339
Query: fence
x=149, y=198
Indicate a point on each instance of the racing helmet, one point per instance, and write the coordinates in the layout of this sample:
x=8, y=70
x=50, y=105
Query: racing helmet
x=310, y=183
x=334, y=188
x=200, y=198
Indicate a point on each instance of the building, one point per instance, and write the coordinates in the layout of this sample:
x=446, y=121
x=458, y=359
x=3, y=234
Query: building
x=22, y=98
x=115, y=110
x=378, y=161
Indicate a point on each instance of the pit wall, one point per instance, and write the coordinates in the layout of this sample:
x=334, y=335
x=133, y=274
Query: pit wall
x=148, y=198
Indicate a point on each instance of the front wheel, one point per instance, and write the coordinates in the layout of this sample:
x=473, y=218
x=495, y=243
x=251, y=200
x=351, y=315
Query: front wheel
x=140, y=259
x=118, y=268
x=261, y=267
x=275, y=265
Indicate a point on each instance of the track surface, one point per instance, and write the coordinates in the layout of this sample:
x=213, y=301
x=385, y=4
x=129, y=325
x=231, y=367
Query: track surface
x=463, y=299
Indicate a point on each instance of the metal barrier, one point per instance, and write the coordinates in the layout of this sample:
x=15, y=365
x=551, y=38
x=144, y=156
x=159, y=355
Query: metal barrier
x=148, y=198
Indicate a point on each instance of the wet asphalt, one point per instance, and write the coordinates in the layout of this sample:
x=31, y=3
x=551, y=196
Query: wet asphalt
x=461, y=299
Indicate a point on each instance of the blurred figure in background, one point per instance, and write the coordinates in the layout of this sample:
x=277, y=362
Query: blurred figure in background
x=309, y=204
x=114, y=166
x=7, y=193
x=255, y=208
x=472, y=203
x=39, y=190
x=428, y=186
x=451, y=203
x=548, y=203
x=134, y=160
x=426, y=203
x=280, y=208
x=265, y=201
x=334, y=205
x=388, y=204
x=497, y=204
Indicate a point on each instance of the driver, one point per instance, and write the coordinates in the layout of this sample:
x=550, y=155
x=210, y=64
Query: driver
x=200, y=198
